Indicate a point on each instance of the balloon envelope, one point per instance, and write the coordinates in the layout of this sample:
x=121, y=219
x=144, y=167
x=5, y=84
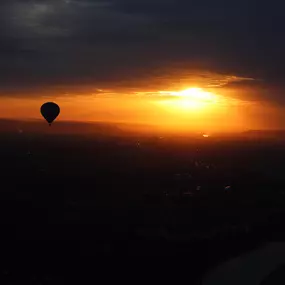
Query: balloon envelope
x=50, y=111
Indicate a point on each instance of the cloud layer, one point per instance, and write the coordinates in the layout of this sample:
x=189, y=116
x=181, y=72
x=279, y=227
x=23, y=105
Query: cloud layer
x=139, y=43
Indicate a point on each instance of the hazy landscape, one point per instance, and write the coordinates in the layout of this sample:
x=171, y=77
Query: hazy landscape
x=77, y=205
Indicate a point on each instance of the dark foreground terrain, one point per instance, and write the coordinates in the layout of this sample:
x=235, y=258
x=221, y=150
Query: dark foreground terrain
x=87, y=208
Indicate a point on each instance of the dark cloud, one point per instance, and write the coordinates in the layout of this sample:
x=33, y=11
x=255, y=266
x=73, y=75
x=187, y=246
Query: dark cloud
x=124, y=42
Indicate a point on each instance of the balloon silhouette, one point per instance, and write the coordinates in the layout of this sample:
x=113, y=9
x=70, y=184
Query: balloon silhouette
x=50, y=111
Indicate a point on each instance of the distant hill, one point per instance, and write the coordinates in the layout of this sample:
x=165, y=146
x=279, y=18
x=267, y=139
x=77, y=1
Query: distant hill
x=266, y=133
x=63, y=127
x=8, y=126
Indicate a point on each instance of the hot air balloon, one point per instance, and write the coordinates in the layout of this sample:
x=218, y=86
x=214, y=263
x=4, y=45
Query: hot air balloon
x=50, y=111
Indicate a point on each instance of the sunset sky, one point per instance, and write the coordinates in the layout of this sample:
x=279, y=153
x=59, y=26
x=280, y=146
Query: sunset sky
x=131, y=61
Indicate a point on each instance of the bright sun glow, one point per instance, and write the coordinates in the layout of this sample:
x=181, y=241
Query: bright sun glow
x=190, y=99
x=195, y=98
x=196, y=93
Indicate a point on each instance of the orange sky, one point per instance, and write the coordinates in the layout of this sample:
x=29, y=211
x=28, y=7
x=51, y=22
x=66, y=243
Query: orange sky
x=165, y=109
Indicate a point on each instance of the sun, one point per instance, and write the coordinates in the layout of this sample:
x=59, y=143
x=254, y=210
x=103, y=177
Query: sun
x=195, y=99
x=196, y=94
x=192, y=103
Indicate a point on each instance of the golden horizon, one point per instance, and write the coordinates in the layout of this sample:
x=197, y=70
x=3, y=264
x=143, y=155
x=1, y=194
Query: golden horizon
x=189, y=108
